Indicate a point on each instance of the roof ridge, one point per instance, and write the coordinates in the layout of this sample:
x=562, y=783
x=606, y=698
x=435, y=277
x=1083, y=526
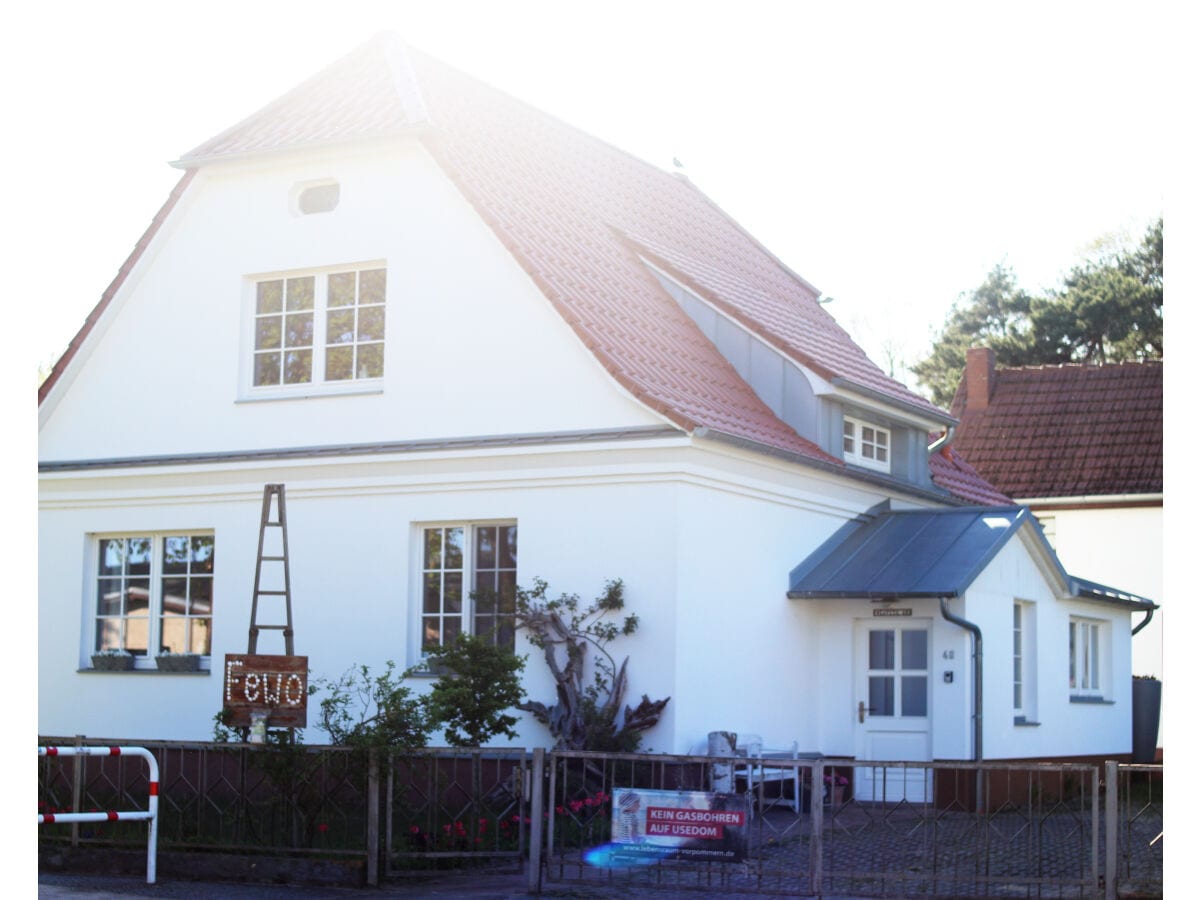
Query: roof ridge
x=389, y=47
x=555, y=117
x=396, y=53
x=1082, y=365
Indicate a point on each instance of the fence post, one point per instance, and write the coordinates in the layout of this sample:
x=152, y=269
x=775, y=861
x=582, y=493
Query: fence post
x=76, y=788
x=816, y=809
x=1112, y=794
x=373, y=817
x=536, y=805
x=724, y=744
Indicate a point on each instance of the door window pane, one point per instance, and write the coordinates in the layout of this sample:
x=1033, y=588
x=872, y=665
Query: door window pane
x=914, y=650
x=881, y=653
x=881, y=691
x=913, y=691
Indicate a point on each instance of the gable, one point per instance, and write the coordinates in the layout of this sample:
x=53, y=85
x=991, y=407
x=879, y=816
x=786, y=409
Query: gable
x=168, y=373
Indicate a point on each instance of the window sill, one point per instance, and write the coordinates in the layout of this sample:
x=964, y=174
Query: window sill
x=1022, y=722
x=313, y=392
x=867, y=465
x=429, y=671
x=151, y=671
x=1095, y=701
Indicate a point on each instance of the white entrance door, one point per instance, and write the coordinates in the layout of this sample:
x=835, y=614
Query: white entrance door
x=892, y=696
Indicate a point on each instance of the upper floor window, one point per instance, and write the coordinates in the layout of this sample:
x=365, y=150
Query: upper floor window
x=866, y=445
x=319, y=328
x=468, y=583
x=154, y=594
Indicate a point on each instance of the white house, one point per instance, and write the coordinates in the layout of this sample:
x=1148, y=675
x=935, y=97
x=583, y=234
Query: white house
x=479, y=347
x=1082, y=447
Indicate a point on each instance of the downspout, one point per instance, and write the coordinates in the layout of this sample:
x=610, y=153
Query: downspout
x=942, y=442
x=977, y=703
x=1144, y=622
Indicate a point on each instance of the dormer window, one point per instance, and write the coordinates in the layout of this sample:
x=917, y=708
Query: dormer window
x=866, y=445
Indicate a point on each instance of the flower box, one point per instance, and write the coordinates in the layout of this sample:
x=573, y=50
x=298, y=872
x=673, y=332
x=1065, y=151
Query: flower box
x=112, y=662
x=178, y=662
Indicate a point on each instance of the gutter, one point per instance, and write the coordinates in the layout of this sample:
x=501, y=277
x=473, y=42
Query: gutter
x=977, y=701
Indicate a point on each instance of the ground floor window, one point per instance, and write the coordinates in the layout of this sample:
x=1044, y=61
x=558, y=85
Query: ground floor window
x=468, y=583
x=154, y=593
x=1086, y=646
x=1024, y=659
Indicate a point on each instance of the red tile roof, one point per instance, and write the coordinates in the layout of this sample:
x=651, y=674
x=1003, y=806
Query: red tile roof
x=951, y=471
x=576, y=213
x=1068, y=431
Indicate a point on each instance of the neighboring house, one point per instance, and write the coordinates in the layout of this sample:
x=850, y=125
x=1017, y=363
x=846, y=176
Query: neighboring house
x=479, y=346
x=1082, y=447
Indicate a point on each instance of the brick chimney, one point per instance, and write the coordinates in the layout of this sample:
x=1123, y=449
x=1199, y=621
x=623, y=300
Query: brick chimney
x=981, y=377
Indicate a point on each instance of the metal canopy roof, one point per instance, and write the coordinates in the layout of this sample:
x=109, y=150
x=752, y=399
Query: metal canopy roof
x=890, y=555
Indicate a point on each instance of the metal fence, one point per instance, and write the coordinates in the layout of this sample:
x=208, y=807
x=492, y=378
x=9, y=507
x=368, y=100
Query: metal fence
x=451, y=808
x=865, y=829
x=880, y=829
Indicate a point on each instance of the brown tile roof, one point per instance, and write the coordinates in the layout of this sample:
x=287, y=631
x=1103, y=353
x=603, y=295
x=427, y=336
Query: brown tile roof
x=1068, y=431
x=576, y=212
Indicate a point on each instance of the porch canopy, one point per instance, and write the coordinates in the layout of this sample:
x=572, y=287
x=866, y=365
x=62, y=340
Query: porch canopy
x=887, y=554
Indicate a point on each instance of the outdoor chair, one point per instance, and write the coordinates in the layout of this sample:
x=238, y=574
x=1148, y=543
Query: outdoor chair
x=758, y=770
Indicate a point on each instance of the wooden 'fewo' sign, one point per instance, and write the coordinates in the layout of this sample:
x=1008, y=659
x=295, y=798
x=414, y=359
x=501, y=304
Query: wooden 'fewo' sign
x=275, y=685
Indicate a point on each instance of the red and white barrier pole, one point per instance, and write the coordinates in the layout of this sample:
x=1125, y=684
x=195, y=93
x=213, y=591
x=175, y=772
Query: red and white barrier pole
x=150, y=814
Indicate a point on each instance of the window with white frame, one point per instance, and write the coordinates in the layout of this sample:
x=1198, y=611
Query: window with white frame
x=1024, y=661
x=1018, y=659
x=154, y=593
x=468, y=583
x=1087, y=651
x=866, y=445
x=318, y=328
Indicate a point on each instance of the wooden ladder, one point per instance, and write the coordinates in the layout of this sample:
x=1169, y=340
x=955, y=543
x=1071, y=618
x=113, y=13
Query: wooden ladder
x=280, y=522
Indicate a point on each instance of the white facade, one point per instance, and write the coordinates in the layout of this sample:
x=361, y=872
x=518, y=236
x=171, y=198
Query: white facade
x=177, y=340
x=702, y=532
x=1116, y=545
x=701, y=535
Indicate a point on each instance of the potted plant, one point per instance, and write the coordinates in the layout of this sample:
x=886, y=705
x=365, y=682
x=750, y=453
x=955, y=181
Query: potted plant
x=1147, y=705
x=112, y=660
x=835, y=788
x=178, y=662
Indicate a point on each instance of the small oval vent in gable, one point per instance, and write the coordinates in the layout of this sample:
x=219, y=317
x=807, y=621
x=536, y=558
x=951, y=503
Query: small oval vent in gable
x=319, y=198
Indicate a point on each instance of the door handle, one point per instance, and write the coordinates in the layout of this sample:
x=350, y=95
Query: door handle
x=863, y=709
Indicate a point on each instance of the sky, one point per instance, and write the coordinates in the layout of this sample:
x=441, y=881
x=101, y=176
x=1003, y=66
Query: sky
x=889, y=154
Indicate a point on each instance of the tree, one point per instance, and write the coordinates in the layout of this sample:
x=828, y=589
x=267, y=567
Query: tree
x=1109, y=309
x=995, y=314
x=482, y=681
x=587, y=714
